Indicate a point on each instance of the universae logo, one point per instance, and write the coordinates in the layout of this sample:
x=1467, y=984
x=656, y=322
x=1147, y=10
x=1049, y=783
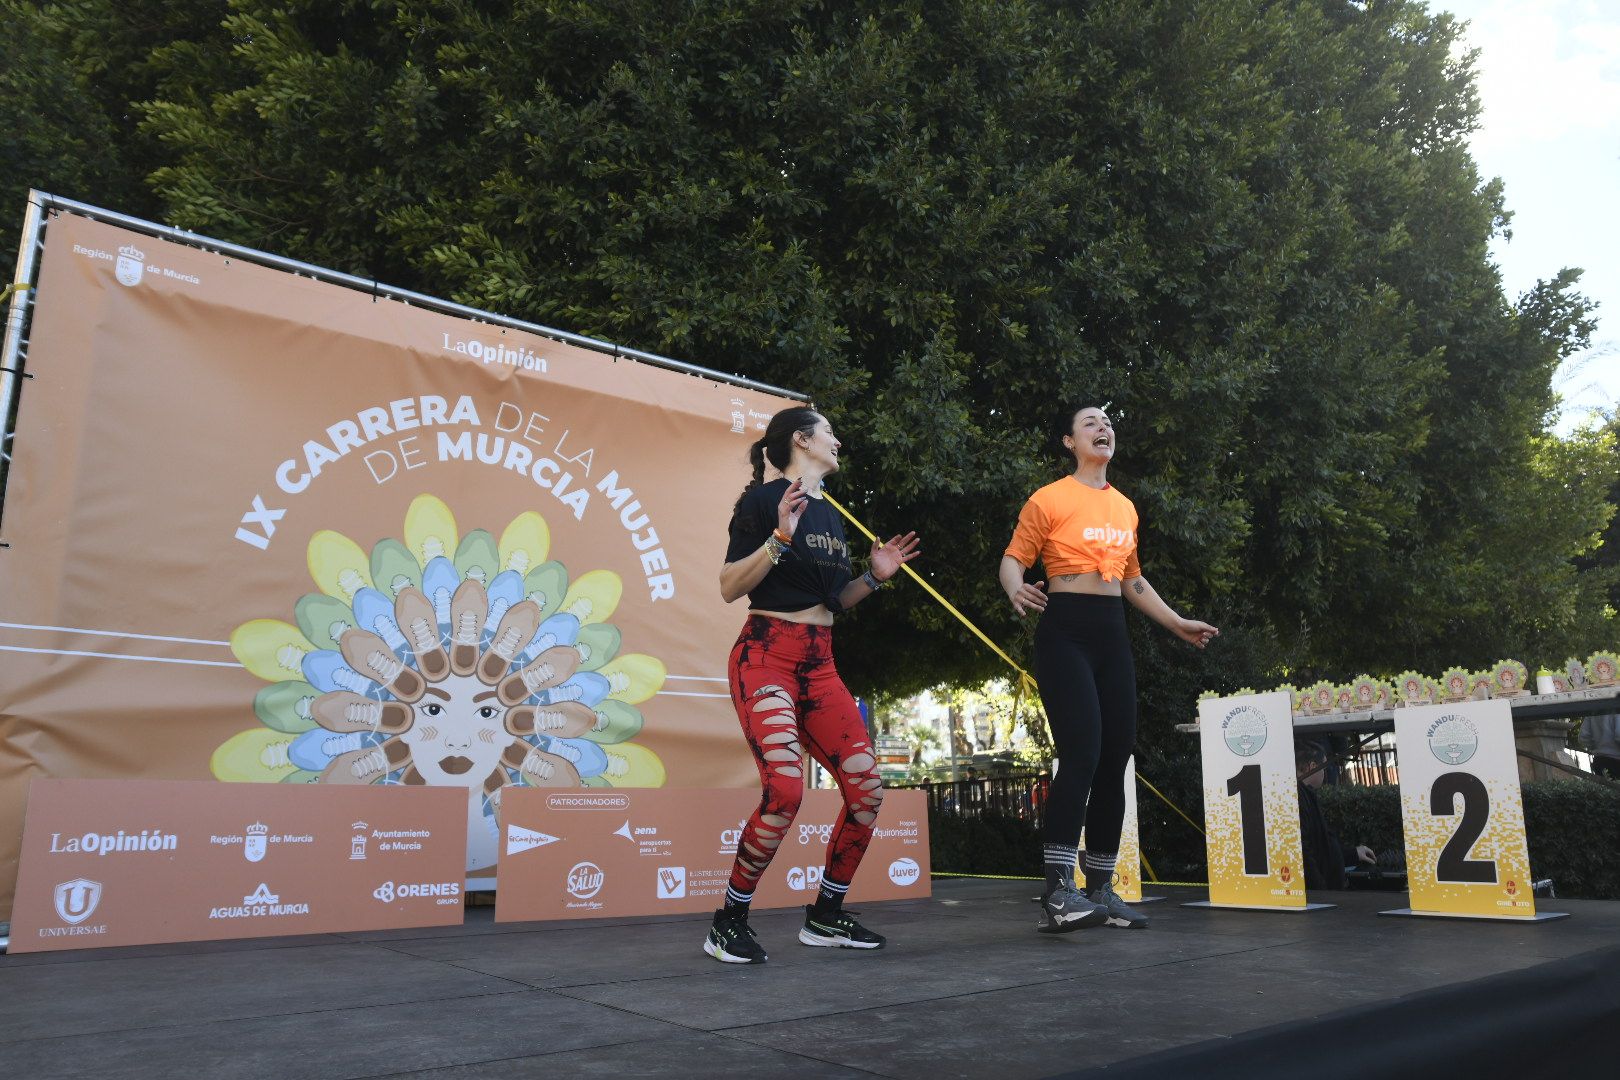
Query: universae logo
x=76, y=900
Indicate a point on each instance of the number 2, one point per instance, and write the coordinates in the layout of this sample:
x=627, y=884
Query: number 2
x=1454, y=865
x=1251, y=810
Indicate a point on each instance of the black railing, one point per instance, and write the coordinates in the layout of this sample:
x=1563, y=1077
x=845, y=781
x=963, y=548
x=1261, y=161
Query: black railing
x=1019, y=796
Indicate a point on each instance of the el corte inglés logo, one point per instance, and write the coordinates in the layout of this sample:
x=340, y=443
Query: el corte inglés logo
x=1244, y=730
x=1453, y=739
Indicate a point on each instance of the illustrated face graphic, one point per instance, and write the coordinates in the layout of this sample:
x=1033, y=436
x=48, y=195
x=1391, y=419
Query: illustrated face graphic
x=459, y=733
x=450, y=660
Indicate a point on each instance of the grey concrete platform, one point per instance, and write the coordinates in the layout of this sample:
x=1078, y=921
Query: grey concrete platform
x=965, y=989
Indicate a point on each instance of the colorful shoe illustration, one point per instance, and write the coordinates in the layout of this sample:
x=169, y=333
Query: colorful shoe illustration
x=469, y=607
x=375, y=612
x=586, y=757
x=343, y=711
x=594, y=596
x=615, y=722
x=538, y=768
x=545, y=585
x=287, y=706
x=633, y=677
x=394, y=569
x=322, y=619
x=548, y=669
x=517, y=626
x=525, y=543
x=271, y=649
x=439, y=583
x=477, y=557
x=367, y=764
x=569, y=720
x=633, y=765
x=504, y=591
x=416, y=619
x=598, y=643
x=326, y=671
x=337, y=565
x=430, y=530
x=255, y=756
x=370, y=655
x=314, y=750
x=585, y=687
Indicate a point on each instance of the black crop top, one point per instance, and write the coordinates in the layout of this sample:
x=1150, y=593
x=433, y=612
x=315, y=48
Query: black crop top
x=813, y=571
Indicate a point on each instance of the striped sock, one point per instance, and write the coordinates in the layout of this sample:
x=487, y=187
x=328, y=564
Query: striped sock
x=737, y=901
x=1100, y=869
x=831, y=897
x=1059, y=860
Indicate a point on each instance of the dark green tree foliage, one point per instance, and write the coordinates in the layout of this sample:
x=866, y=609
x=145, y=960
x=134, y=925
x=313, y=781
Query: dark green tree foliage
x=1252, y=226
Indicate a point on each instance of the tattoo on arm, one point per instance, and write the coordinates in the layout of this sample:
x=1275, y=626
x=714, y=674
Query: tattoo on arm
x=1137, y=585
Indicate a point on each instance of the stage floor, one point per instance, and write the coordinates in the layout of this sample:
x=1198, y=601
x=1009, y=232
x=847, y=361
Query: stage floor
x=966, y=988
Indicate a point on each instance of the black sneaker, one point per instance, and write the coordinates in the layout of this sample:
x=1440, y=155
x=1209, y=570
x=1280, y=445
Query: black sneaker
x=731, y=940
x=1119, y=914
x=839, y=931
x=1065, y=909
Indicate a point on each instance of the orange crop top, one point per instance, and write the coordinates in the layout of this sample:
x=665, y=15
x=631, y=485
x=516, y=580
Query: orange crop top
x=1075, y=529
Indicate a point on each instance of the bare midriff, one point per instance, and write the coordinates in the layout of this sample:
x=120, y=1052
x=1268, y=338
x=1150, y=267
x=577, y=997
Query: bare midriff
x=811, y=616
x=1092, y=582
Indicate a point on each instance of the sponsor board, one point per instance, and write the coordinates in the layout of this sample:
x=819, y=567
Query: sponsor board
x=1251, y=801
x=134, y=862
x=604, y=864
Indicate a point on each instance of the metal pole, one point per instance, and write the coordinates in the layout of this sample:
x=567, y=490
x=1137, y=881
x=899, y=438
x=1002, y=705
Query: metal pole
x=372, y=288
x=11, y=356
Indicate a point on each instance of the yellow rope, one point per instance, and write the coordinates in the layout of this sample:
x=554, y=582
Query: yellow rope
x=1026, y=682
x=1019, y=877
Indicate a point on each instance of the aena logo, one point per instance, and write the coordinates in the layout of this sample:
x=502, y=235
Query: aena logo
x=584, y=880
x=904, y=871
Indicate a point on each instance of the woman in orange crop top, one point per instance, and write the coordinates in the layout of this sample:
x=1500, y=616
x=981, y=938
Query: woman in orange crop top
x=1084, y=531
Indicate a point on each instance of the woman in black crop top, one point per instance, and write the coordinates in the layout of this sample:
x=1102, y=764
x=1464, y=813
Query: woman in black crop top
x=788, y=556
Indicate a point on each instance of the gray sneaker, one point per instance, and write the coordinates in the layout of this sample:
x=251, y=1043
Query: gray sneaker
x=1117, y=913
x=1066, y=909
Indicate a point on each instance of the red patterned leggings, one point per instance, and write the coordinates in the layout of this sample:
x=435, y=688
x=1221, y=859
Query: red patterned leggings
x=789, y=698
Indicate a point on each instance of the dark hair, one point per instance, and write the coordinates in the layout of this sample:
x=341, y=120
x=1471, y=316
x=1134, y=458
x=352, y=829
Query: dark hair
x=1063, y=424
x=776, y=445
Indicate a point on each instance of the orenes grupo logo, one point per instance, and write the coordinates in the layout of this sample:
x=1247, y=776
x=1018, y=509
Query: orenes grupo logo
x=1244, y=730
x=584, y=880
x=904, y=871
x=1453, y=739
x=76, y=900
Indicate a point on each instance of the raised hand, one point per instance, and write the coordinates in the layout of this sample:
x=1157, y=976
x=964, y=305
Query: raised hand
x=791, y=508
x=887, y=558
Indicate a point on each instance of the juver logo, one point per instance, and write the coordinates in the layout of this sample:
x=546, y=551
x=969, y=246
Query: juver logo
x=584, y=880
x=904, y=871
x=76, y=900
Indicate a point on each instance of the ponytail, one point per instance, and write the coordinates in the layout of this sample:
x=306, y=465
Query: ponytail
x=776, y=445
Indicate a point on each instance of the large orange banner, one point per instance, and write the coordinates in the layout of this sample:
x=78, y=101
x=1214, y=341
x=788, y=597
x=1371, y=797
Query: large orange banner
x=264, y=528
x=133, y=862
x=586, y=854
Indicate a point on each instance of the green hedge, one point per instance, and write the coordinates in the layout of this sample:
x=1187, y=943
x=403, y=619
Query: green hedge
x=1573, y=827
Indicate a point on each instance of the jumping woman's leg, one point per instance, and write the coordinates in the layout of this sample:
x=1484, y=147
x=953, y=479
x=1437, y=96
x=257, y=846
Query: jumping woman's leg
x=1105, y=813
x=763, y=689
x=836, y=736
x=1069, y=696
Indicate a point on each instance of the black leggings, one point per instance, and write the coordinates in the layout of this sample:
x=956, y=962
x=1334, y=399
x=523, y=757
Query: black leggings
x=1088, y=687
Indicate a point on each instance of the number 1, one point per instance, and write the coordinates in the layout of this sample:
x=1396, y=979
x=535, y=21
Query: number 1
x=1251, y=810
